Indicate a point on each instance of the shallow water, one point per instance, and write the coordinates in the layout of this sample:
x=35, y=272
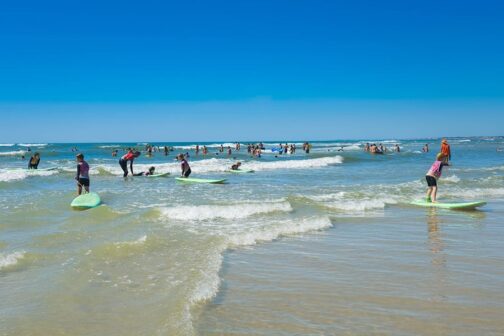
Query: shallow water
x=323, y=243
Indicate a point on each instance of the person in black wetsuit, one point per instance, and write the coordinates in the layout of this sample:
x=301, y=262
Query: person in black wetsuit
x=34, y=161
x=147, y=173
x=123, y=162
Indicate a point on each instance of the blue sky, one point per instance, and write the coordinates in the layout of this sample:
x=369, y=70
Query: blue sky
x=225, y=70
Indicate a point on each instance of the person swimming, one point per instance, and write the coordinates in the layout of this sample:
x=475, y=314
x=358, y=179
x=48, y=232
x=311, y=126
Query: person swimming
x=128, y=157
x=186, y=169
x=34, y=161
x=151, y=171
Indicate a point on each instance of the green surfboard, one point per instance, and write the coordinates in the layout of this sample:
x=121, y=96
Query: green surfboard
x=240, y=171
x=198, y=180
x=86, y=201
x=451, y=206
x=158, y=175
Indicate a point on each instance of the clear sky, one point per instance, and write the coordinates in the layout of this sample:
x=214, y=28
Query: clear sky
x=250, y=69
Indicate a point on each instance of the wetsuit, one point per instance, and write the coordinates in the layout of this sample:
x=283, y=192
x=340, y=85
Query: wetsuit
x=434, y=173
x=123, y=162
x=186, y=170
x=83, y=173
x=33, y=163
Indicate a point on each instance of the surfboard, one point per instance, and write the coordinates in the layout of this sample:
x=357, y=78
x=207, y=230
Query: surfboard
x=198, y=180
x=86, y=201
x=158, y=175
x=451, y=206
x=240, y=171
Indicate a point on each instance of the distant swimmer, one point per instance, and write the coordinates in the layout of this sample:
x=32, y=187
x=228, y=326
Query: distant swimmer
x=166, y=150
x=397, y=148
x=128, y=157
x=425, y=148
x=433, y=175
x=184, y=165
x=236, y=166
x=82, y=176
x=229, y=151
x=34, y=161
x=445, y=149
x=151, y=171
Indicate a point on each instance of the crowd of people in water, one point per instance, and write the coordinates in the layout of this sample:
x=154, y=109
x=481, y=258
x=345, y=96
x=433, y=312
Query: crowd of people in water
x=254, y=150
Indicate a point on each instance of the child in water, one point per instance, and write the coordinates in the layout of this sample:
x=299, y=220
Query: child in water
x=236, y=166
x=82, y=176
x=34, y=161
x=147, y=173
x=433, y=175
x=186, y=170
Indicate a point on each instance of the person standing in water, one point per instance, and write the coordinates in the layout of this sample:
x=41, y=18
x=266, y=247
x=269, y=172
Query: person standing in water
x=445, y=149
x=433, y=175
x=128, y=157
x=82, y=176
x=425, y=148
x=34, y=161
x=184, y=165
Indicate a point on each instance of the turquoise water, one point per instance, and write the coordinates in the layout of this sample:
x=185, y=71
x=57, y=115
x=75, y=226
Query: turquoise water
x=160, y=257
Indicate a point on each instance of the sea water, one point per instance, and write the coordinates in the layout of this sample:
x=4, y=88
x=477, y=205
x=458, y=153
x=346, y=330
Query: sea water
x=318, y=243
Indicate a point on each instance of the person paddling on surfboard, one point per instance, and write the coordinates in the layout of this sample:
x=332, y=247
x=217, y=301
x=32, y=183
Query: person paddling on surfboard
x=82, y=175
x=184, y=165
x=147, y=173
x=128, y=157
x=433, y=175
x=34, y=161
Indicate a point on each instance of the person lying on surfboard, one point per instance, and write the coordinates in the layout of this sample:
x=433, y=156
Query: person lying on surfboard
x=186, y=170
x=123, y=162
x=82, y=175
x=433, y=175
x=147, y=173
x=236, y=166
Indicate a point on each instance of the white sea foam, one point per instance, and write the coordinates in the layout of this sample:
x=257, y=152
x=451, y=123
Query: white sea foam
x=8, y=175
x=451, y=178
x=32, y=145
x=221, y=165
x=256, y=234
x=6, y=145
x=137, y=242
x=360, y=205
x=110, y=146
x=234, y=211
x=13, y=153
x=7, y=260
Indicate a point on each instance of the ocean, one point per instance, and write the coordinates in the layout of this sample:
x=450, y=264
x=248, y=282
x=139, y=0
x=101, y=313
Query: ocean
x=323, y=243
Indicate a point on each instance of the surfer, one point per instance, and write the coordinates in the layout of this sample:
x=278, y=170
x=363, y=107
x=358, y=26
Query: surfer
x=123, y=161
x=147, y=173
x=82, y=176
x=445, y=149
x=184, y=165
x=34, y=161
x=236, y=166
x=433, y=175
